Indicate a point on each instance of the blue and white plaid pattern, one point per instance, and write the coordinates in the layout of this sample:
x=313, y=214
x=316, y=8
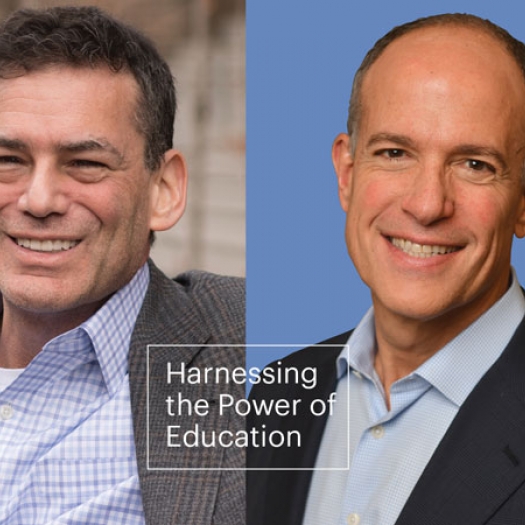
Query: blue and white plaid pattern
x=67, y=454
x=389, y=449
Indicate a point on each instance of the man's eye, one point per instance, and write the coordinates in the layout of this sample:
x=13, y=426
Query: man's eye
x=480, y=165
x=85, y=163
x=391, y=153
x=9, y=159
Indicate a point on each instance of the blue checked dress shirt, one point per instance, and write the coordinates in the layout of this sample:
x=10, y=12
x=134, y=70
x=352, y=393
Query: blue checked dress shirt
x=67, y=454
x=389, y=450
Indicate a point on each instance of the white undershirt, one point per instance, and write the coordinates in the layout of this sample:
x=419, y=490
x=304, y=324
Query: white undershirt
x=8, y=376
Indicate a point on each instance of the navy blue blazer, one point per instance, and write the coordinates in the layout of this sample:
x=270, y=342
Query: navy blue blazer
x=475, y=477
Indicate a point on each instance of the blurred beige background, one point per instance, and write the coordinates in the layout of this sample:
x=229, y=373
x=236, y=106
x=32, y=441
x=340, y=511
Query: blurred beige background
x=204, y=43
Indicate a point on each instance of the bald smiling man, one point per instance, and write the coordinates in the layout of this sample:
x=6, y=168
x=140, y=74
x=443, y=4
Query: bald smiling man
x=430, y=175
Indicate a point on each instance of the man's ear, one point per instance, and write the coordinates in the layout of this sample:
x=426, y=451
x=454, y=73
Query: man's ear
x=343, y=163
x=168, y=195
x=519, y=227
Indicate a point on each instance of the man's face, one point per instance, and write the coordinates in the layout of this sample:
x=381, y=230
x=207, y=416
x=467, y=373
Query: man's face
x=75, y=197
x=433, y=192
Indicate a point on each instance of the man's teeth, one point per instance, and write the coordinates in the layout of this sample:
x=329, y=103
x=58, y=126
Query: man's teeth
x=421, y=250
x=46, y=246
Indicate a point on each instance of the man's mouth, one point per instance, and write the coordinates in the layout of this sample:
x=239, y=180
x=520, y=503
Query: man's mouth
x=47, y=245
x=421, y=250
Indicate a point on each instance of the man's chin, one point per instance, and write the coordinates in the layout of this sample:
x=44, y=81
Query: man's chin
x=46, y=300
x=39, y=304
x=414, y=307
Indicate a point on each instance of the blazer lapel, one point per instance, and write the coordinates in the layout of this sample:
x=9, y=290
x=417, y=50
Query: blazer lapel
x=480, y=462
x=279, y=496
x=167, y=317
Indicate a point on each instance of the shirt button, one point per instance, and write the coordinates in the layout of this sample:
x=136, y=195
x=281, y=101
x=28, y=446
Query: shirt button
x=6, y=412
x=357, y=374
x=378, y=432
x=353, y=519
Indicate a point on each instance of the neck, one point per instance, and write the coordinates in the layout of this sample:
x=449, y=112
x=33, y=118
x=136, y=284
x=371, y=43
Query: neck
x=402, y=347
x=25, y=333
x=404, y=343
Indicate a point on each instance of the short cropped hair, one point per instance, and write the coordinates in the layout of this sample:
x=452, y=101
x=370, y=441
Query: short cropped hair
x=31, y=40
x=515, y=48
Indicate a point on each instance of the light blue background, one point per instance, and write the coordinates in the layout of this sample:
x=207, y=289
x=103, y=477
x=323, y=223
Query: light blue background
x=301, y=58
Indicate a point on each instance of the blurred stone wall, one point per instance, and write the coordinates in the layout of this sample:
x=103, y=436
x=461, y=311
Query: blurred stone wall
x=204, y=43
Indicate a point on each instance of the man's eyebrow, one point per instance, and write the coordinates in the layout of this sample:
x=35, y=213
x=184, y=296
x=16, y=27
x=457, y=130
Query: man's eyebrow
x=13, y=144
x=91, y=145
x=401, y=140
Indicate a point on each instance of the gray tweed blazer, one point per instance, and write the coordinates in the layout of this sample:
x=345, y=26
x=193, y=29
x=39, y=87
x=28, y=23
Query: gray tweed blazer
x=196, y=308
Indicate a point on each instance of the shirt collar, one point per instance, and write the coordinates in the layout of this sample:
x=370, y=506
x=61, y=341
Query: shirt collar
x=460, y=364
x=360, y=350
x=110, y=328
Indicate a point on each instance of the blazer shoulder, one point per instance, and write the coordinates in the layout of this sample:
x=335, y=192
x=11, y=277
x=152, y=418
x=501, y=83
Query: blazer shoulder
x=194, y=308
x=320, y=357
x=198, y=283
x=317, y=354
x=220, y=301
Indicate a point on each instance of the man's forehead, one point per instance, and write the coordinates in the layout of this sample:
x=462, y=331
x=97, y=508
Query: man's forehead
x=462, y=55
x=451, y=41
x=80, y=87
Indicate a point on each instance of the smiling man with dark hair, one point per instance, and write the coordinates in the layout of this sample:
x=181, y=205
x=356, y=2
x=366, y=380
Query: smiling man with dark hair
x=87, y=173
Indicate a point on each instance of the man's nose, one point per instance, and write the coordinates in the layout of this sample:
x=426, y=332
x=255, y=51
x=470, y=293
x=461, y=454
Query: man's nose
x=429, y=196
x=43, y=193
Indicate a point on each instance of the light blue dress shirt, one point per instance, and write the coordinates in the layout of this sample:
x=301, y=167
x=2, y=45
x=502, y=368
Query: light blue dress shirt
x=67, y=453
x=389, y=449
